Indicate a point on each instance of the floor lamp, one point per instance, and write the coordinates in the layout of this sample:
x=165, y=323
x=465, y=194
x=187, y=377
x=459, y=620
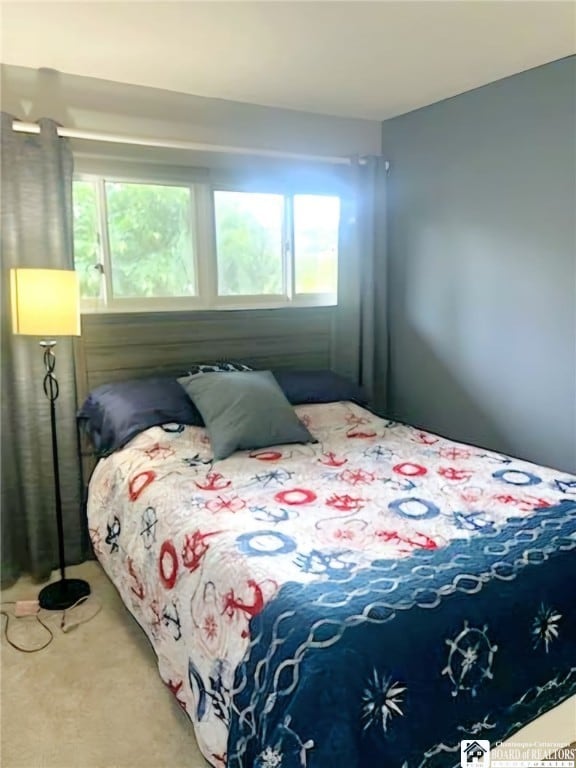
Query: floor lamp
x=45, y=302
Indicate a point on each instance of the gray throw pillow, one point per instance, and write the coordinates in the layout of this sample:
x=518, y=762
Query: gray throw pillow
x=243, y=411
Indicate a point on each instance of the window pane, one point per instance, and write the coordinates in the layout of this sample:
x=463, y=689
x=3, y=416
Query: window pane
x=151, y=244
x=249, y=243
x=316, y=220
x=86, y=251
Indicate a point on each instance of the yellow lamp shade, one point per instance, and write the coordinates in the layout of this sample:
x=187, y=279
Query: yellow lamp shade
x=45, y=302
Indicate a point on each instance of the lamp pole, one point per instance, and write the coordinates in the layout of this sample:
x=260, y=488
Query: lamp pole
x=66, y=592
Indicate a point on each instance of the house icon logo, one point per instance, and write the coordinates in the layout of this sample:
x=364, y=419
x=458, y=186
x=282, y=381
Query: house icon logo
x=475, y=753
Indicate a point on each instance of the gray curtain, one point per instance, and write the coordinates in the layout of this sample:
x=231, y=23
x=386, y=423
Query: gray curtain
x=360, y=330
x=36, y=231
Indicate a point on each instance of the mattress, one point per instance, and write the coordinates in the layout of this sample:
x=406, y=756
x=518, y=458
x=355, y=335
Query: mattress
x=373, y=598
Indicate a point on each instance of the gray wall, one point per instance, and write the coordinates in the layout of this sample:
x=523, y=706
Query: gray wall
x=482, y=276
x=101, y=105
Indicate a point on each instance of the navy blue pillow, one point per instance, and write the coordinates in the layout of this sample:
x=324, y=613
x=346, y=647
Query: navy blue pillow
x=321, y=386
x=113, y=414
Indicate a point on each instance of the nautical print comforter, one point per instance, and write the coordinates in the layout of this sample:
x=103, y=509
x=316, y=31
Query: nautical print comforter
x=368, y=600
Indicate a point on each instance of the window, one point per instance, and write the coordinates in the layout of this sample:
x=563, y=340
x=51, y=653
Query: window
x=148, y=245
x=316, y=243
x=249, y=243
x=150, y=240
x=86, y=239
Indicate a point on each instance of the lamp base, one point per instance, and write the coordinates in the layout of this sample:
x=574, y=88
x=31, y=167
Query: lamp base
x=63, y=594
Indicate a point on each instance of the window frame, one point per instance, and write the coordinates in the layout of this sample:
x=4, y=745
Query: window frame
x=204, y=246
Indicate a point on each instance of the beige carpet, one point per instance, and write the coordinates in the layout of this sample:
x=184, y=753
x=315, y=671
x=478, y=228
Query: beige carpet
x=93, y=698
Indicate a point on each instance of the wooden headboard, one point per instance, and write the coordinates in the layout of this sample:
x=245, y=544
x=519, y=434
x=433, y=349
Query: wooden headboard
x=114, y=347
x=123, y=346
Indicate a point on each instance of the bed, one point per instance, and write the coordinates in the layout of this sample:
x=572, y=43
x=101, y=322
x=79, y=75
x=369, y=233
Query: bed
x=372, y=598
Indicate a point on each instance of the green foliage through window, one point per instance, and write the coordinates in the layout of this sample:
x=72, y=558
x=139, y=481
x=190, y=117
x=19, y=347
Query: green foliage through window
x=316, y=220
x=150, y=230
x=86, y=245
x=249, y=243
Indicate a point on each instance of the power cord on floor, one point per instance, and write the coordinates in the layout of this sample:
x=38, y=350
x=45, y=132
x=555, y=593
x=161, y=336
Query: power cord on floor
x=19, y=647
x=68, y=621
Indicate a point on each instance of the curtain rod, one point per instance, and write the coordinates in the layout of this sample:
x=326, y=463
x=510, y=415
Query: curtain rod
x=75, y=133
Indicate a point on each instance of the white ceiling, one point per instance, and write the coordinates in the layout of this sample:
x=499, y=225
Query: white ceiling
x=359, y=59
